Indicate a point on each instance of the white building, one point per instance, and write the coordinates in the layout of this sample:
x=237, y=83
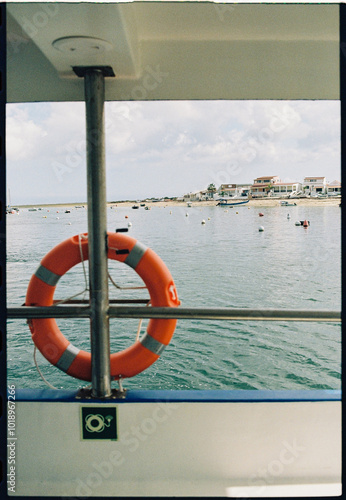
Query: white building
x=334, y=188
x=272, y=186
x=234, y=190
x=285, y=188
x=195, y=196
x=315, y=185
x=262, y=185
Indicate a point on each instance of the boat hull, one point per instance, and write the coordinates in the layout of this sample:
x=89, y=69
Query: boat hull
x=180, y=443
x=229, y=203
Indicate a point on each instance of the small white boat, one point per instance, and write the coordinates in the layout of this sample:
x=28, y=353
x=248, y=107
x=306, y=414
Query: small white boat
x=285, y=203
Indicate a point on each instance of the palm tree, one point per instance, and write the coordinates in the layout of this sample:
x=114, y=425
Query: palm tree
x=211, y=189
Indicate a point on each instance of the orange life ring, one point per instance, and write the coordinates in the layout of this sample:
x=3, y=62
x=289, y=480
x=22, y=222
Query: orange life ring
x=132, y=360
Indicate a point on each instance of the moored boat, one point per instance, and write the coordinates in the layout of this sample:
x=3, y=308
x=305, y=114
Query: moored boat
x=285, y=203
x=228, y=203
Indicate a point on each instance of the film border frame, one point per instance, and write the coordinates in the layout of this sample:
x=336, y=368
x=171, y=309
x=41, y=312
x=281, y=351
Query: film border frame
x=3, y=362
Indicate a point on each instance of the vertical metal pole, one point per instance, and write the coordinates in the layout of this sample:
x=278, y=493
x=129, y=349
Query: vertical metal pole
x=97, y=232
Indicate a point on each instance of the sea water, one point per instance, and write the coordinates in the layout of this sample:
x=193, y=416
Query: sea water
x=226, y=262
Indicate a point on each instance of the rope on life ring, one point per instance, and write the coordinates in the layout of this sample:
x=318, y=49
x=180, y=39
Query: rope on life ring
x=127, y=363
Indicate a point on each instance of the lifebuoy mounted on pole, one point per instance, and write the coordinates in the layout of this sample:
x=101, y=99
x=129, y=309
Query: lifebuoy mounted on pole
x=58, y=350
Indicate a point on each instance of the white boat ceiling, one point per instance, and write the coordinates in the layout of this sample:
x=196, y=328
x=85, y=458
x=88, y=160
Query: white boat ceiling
x=174, y=50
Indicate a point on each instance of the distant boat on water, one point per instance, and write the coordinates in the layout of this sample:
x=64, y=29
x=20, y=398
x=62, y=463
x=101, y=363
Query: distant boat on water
x=228, y=203
x=285, y=203
x=9, y=208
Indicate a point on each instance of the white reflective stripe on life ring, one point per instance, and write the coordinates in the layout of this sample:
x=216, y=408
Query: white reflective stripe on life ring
x=47, y=276
x=67, y=357
x=152, y=344
x=135, y=255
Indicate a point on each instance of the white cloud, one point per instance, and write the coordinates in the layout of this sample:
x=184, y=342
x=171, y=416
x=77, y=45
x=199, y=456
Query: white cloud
x=23, y=136
x=169, y=148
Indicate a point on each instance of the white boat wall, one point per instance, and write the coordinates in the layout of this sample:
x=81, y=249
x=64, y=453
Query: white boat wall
x=180, y=443
x=170, y=443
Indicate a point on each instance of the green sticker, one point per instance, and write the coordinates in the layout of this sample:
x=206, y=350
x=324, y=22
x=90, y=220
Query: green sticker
x=99, y=422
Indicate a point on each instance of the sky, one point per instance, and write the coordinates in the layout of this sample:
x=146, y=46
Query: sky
x=167, y=149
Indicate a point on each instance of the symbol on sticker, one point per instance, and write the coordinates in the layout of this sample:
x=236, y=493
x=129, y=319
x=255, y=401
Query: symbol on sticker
x=97, y=423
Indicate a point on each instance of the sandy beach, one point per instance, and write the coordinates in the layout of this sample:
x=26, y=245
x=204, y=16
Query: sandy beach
x=262, y=202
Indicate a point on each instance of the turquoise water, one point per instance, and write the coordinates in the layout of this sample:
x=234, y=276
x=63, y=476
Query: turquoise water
x=225, y=262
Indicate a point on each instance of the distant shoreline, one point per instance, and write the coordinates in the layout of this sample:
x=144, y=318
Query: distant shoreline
x=261, y=202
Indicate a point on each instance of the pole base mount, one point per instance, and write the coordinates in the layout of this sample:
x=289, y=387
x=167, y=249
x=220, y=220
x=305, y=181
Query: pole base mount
x=81, y=71
x=86, y=393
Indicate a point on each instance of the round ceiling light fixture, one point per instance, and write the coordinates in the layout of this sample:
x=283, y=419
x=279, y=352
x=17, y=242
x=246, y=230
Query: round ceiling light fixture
x=82, y=45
